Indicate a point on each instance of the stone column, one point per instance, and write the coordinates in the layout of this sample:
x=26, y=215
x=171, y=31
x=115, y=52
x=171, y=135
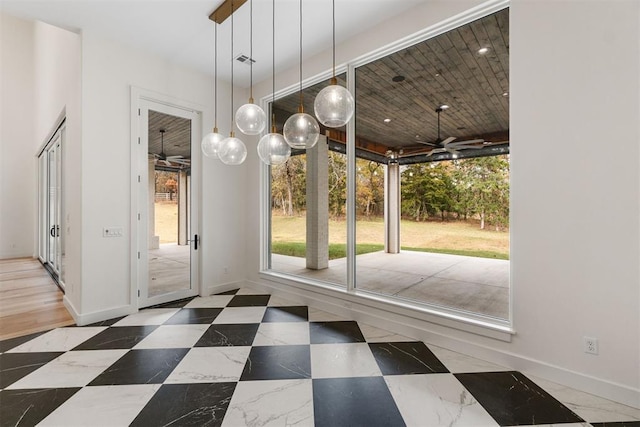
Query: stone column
x=392, y=208
x=154, y=241
x=182, y=208
x=318, y=205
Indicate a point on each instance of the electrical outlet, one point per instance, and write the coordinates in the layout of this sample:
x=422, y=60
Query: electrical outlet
x=590, y=345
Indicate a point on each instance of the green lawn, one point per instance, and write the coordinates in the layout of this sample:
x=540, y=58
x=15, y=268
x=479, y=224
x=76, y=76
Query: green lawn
x=457, y=238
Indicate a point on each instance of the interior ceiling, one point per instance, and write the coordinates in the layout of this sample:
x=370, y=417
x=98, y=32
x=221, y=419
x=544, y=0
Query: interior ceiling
x=177, y=135
x=180, y=30
x=446, y=69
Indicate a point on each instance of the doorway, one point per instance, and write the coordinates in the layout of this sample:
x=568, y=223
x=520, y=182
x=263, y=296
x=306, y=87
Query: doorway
x=168, y=223
x=51, y=251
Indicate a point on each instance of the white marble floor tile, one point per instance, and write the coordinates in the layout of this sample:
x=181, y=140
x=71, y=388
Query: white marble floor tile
x=210, y=365
x=436, y=400
x=458, y=363
x=102, y=406
x=275, y=301
x=589, y=407
x=152, y=316
x=289, y=333
x=271, y=403
x=316, y=315
x=373, y=334
x=343, y=360
x=213, y=301
x=249, y=291
x=241, y=315
x=61, y=339
x=173, y=336
x=72, y=369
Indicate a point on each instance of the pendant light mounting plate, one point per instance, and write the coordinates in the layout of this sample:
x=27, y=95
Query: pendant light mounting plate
x=224, y=10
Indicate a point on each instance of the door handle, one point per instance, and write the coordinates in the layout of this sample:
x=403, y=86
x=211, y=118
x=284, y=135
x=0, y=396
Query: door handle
x=52, y=232
x=195, y=242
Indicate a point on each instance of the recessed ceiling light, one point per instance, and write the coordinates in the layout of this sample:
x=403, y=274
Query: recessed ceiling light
x=417, y=136
x=483, y=50
x=398, y=78
x=444, y=106
x=386, y=120
x=505, y=94
x=437, y=74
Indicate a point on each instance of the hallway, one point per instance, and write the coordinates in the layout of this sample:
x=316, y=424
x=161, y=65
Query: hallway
x=30, y=301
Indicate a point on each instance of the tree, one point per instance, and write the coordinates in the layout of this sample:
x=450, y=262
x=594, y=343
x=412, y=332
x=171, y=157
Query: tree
x=370, y=187
x=427, y=190
x=483, y=186
x=337, y=183
x=288, y=185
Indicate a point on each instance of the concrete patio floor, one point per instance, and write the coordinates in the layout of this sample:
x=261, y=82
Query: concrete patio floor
x=169, y=268
x=477, y=285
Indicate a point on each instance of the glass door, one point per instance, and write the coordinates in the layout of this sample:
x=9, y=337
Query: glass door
x=51, y=206
x=168, y=230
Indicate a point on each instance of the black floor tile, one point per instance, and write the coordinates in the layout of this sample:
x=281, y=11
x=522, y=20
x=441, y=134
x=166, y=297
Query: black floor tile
x=14, y=366
x=142, y=367
x=335, y=332
x=187, y=405
x=28, y=407
x=231, y=292
x=107, y=322
x=173, y=304
x=354, y=402
x=618, y=424
x=513, y=399
x=194, y=315
x=286, y=314
x=228, y=334
x=282, y=362
x=118, y=337
x=249, y=301
x=6, y=345
x=404, y=358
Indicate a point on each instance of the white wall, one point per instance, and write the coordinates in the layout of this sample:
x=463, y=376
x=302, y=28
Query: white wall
x=575, y=191
x=17, y=142
x=40, y=85
x=109, y=70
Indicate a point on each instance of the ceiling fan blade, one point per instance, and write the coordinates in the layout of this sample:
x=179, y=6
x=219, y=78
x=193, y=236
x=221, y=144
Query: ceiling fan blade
x=467, y=142
x=490, y=144
x=431, y=144
x=448, y=140
x=174, y=157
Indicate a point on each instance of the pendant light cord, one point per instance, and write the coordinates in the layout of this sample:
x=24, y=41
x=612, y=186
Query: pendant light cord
x=215, y=77
x=232, y=115
x=273, y=66
x=250, y=51
x=333, y=4
x=301, y=96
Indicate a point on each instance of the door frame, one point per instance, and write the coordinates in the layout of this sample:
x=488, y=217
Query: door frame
x=139, y=169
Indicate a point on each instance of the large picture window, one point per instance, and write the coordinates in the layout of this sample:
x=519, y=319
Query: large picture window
x=431, y=177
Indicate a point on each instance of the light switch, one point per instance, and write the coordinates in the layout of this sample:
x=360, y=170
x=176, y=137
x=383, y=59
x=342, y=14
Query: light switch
x=112, y=232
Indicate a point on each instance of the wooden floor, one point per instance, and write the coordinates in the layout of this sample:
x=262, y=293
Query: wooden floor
x=30, y=301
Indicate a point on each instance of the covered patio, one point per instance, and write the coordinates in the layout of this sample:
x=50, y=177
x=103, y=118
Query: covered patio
x=476, y=285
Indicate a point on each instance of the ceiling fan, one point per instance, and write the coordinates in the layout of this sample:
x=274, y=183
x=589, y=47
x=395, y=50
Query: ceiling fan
x=448, y=144
x=168, y=160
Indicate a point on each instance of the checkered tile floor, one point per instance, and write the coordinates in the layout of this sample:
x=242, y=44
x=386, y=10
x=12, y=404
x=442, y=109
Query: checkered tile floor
x=241, y=359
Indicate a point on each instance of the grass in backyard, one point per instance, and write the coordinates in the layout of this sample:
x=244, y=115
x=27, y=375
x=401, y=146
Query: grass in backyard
x=458, y=238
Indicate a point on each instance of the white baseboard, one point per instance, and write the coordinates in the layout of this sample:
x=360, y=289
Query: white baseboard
x=222, y=287
x=97, y=316
x=425, y=331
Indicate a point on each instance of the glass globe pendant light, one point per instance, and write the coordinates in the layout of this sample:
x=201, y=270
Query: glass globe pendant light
x=211, y=142
x=272, y=148
x=232, y=150
x=250, y=118
x=301, y=130
x=334, y=104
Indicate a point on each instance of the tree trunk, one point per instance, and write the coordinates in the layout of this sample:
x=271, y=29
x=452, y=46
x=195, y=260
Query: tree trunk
x=482, y=220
